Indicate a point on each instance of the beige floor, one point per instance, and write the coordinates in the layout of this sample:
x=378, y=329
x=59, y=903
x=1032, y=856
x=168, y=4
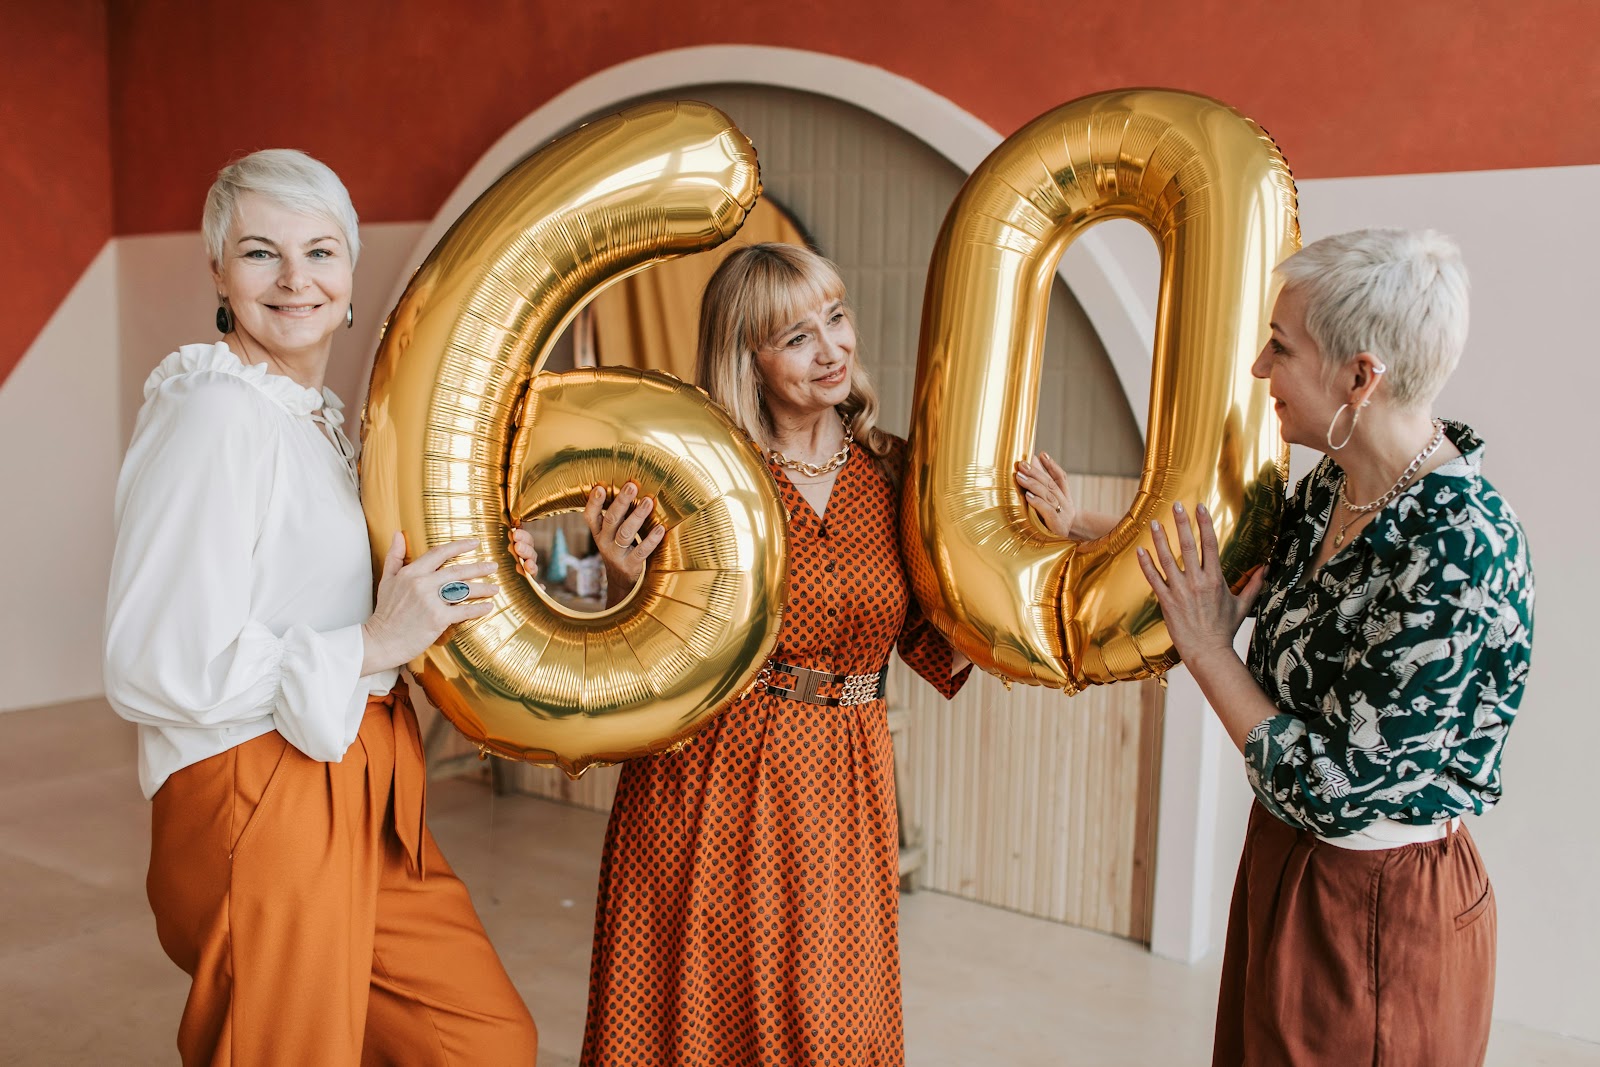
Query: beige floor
x=83, y=982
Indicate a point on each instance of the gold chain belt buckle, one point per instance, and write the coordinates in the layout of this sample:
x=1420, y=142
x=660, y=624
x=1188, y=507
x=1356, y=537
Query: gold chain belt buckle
x=808, y=685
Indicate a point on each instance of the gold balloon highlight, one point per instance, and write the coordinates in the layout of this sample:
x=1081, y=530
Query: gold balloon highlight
x=1216, y=194
x=459, y=444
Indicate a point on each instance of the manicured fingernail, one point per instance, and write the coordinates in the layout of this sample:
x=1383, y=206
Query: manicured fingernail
x=1201, y=508
x=1141, y=553
x=1177, y=506
x=1154, y=525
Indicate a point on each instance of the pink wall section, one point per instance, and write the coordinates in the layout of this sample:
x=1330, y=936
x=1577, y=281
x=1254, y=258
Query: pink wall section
x=55, y=160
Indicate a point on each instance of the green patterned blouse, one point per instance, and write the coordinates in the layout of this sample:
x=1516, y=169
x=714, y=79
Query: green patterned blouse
x=1398, y=666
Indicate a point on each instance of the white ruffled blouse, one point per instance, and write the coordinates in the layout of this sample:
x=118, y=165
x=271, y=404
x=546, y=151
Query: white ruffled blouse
x=242, y=571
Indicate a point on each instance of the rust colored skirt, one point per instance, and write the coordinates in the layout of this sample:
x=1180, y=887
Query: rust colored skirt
x=1341, y=957
x=316, y=915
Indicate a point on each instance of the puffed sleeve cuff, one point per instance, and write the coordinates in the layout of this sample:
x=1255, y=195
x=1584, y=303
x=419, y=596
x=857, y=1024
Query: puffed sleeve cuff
x=1299, y=787
x=321, y=694
x=146, y=684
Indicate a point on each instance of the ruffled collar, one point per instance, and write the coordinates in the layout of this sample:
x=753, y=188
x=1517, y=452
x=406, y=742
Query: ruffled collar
x=285, y=392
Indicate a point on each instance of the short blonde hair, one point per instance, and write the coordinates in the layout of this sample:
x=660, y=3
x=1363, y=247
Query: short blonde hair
x=755, y=293
x=1398, y=294
x=287, y=177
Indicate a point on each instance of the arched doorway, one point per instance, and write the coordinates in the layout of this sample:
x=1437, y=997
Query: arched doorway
x=1024, y=840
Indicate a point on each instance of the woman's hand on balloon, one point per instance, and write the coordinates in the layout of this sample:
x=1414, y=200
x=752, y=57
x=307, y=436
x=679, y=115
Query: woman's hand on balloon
x=1202, y=614
x=410, y=614
x=1044, y=487
x=616, y=534
x=522, y=548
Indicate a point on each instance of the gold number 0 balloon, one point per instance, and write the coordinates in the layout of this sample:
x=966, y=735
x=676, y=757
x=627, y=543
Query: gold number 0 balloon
x=443, y=458
x=1218, y=197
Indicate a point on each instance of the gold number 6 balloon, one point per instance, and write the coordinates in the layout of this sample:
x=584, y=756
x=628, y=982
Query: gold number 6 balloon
x=1214, y=191
x=444, y=456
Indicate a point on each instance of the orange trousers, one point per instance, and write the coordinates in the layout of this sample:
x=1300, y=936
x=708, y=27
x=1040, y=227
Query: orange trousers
x=316, y=915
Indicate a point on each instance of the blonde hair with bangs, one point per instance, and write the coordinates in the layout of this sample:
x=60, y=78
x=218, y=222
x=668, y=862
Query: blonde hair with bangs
x=756, y=292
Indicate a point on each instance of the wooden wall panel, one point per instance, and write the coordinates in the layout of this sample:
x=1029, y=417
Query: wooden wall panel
x=1032, y=800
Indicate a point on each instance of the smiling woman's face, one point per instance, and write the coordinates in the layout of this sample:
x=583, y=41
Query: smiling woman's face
x=287, y=277
x=805, y=368
x=1292, y=364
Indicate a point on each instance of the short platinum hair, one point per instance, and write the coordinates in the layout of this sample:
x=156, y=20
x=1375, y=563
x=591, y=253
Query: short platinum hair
x=1398, y=294
x=287, y=177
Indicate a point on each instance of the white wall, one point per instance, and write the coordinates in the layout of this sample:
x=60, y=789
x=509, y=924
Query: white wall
x=59, y=447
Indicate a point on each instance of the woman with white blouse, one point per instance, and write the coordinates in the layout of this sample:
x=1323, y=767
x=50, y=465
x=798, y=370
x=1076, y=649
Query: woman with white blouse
x=291, y=873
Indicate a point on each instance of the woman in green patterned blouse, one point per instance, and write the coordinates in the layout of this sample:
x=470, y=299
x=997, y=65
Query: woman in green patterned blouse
x=1391, y=648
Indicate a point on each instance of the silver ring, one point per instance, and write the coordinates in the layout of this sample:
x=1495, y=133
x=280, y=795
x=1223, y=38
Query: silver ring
x=454, y=592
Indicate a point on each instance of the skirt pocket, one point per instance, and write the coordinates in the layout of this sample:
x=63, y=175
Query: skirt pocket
x=1478, y=909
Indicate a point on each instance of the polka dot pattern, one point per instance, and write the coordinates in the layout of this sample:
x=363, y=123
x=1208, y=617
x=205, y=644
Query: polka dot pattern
x=748, y=902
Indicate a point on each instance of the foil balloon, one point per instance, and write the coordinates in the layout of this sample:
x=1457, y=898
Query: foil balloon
x=463, y=437
x=1216, y=194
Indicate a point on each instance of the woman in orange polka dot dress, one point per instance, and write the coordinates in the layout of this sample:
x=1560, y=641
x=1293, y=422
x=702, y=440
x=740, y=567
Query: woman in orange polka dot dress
x=748, y=900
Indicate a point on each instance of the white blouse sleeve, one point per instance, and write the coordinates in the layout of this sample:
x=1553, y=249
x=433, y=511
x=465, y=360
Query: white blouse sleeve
x=182, y=647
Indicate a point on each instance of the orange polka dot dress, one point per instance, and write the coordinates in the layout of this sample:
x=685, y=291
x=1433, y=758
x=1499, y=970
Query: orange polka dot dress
x=749, y=889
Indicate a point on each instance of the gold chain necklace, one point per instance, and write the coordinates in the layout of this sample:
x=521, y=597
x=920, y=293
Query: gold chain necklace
x=816, y=470
x=1358, y=510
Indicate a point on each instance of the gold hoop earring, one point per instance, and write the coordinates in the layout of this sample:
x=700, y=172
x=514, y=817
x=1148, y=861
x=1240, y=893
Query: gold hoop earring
x=1354, y=418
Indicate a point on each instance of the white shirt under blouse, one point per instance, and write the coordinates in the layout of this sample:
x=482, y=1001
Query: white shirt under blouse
x=242, y=571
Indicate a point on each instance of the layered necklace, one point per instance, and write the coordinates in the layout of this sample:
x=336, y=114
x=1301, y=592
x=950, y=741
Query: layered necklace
x=817, y=470
x=1358, y=510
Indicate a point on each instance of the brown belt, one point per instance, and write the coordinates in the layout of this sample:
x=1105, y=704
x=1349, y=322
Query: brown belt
x=809, y=685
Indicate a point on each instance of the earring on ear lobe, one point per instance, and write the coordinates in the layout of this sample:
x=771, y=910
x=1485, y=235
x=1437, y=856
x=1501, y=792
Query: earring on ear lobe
x=349, y=316
x=224, y=317
x=1355, y=417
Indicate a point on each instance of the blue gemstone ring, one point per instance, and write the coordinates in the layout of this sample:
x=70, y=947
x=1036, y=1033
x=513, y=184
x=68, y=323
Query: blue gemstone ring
x=454, y=592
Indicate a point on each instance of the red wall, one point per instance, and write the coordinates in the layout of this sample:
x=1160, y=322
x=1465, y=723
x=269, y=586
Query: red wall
x=55, y=160
x=402, y=96
x=401, y=100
